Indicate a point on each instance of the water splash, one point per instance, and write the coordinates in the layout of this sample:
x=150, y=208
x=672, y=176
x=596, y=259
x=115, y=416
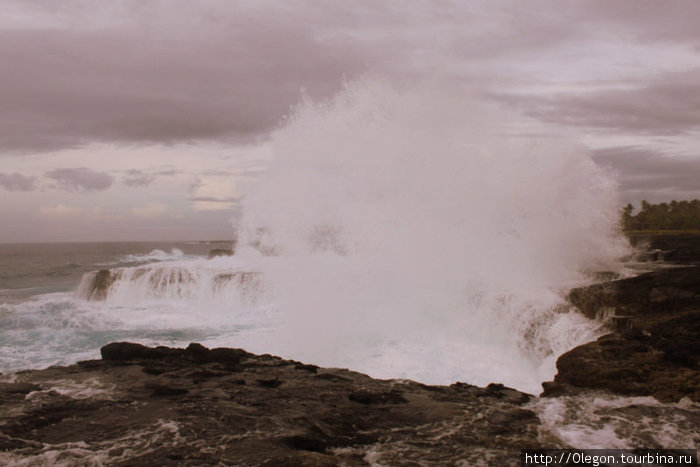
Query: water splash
x=407, y=235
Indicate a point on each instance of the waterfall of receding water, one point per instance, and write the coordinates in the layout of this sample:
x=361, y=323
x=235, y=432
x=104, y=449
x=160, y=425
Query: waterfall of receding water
x=405, y=234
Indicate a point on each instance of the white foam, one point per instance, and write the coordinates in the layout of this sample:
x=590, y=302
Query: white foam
x=91, y=388
x=595, y=421
x=162, y=434
x=154, y=255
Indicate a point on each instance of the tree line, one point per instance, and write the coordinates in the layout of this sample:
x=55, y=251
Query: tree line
x=676, y=215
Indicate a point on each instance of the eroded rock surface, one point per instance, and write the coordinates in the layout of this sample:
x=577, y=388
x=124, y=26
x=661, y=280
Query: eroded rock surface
x=196, y=406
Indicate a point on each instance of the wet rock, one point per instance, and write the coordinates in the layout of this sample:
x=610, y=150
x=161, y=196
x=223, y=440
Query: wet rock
x=125, y=351
x=18, y=388
x=651, y=293
x=228, y=356
x=681, y=248
x=366, y=397
x=220, y=252
x=656, y=352
x=98, y=284
x=666, y=367
x=159, y=390
x=163, y=406
x=269, y=383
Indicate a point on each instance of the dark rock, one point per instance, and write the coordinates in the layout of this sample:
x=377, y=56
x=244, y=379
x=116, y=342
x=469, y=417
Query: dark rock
x=220, y=252
x=269, y=383
x=499, y=391
x=159, y=390
x=555, y=389
x=649, y=293
x=331, y=377
x=614, y=362
x=310, y=368
x=124, y=351
x=228, y=356
x=681, y=248
x=18, y=388
x=197, y=352
x=656, y=346
x=99, y=283
x=305, y=443
x=161, y=406
x=365, y=397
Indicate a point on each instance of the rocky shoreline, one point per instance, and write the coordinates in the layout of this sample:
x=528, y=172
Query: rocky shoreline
x=199, y=406
x=196, y=406
x=656, y=347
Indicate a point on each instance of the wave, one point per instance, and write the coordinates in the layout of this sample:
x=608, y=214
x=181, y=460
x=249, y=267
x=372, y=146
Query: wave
x=153, y=256
x=171, y=281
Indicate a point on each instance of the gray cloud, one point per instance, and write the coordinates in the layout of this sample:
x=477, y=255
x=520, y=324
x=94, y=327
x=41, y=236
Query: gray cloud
x=176, y=82
x=80, y=179
x=644, y=173
x=82, y=73
x=17, y=182
x=646, y=20
x=668, y=106
x=137, y=178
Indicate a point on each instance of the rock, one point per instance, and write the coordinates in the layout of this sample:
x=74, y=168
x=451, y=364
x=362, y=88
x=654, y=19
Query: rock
x=683, y=248
x=220, y=252
x=656, y=346
x=617, y=364
x=162, y=406
x=650, y=293
x=228, y=356
x=125, y=351
x=365, y=397
x=98, y=284
x=163, y=390
x=269, y=383
x=18, y=388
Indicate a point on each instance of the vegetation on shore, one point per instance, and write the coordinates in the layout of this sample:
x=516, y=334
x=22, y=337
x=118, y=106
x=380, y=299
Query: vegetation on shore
x=672, y=217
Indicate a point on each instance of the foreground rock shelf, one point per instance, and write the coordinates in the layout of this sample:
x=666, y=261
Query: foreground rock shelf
x=195, y=406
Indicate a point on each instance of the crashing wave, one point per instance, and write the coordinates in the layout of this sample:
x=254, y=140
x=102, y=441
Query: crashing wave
x=168, y=281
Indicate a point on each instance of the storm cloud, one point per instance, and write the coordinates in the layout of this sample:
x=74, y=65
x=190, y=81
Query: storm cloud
x=80, y=179
x=168, y=72
x=645, y=173
x=68, y=87
x=670, y=105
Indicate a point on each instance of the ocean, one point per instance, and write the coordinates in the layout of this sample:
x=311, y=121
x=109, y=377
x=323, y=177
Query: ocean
x=45, y=321
x=60, y=302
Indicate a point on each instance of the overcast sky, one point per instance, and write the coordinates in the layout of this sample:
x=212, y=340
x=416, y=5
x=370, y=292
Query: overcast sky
x=138, y=120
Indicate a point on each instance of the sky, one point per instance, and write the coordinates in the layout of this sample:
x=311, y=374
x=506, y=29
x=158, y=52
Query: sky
x=149, y=120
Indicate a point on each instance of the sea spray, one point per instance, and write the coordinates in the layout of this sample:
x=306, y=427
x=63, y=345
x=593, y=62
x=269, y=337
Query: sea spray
x=405, y=234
